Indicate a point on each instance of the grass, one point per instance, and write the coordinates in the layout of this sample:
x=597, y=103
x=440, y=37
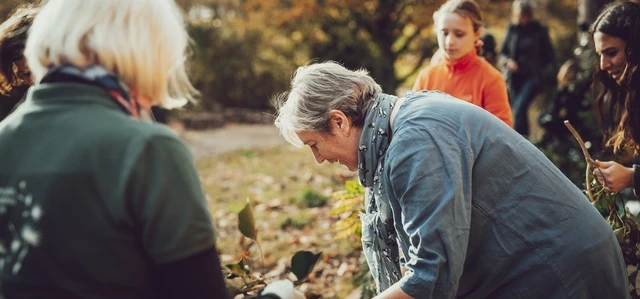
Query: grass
x=266, y=175
x=298, y=221
x=289, y=193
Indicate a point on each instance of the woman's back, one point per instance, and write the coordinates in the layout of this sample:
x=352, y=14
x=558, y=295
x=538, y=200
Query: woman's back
x=531, y=232
x=93, y=200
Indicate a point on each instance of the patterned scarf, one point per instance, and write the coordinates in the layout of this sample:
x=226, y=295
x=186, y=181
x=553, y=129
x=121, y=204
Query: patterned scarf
x=97, y=75
x=378, y=233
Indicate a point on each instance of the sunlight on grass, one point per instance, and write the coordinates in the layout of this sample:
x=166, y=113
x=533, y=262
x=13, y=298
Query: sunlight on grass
x=270, y=178
x=264, y=175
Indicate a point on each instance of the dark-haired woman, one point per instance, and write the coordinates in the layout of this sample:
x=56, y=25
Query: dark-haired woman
x=616, y=34
x=15, y=76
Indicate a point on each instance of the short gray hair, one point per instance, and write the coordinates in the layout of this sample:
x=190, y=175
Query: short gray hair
x=319, y=88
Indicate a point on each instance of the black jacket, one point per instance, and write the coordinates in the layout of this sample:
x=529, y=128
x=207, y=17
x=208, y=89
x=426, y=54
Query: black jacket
x=530, y=47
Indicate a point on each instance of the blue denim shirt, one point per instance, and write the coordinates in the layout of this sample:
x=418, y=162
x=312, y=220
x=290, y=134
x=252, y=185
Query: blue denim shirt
x=482, y=213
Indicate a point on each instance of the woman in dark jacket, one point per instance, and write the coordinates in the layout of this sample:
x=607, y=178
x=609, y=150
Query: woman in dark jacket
x=526, y=54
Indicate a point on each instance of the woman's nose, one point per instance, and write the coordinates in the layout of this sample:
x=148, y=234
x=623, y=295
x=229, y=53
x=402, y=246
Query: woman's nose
x=604, y=63
x=449, y=41
x=316, y=155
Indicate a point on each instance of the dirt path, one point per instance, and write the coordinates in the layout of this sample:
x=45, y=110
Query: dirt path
x=213, y=142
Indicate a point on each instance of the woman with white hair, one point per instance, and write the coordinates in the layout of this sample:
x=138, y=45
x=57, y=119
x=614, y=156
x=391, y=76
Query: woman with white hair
x=474, y=208
x=95, y=200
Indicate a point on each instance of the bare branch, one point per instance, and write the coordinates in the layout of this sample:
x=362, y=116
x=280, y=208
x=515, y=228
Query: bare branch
x=405, y=47
x=590, y=163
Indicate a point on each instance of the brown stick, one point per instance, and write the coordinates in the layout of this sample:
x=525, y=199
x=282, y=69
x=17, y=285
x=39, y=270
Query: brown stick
x=590, y=162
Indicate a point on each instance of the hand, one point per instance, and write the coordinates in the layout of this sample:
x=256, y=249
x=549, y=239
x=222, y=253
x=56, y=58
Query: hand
x=283, y=289
x=613, y=176
x=511, y=65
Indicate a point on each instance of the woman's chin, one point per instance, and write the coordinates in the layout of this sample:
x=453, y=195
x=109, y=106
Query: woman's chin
x=453, y=56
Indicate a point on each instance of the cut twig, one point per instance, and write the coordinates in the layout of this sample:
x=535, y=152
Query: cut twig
x=591, y=164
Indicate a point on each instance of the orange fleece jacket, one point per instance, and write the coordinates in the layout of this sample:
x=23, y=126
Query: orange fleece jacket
x=471, y=79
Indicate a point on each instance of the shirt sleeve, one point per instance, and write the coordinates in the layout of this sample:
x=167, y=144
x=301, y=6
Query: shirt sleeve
x=168, y=202
x=496, y=100
x=430, y=175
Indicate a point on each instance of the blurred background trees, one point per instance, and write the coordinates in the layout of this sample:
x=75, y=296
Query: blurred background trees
x=245, y=51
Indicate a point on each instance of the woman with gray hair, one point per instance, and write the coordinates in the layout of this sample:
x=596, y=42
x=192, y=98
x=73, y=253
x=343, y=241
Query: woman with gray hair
x=474, y=209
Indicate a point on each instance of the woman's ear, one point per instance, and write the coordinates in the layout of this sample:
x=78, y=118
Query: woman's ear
x=339, y=122
x=479, y=43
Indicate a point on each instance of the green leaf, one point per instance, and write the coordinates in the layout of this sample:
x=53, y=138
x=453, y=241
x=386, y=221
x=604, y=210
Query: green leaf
x=619, y=201
x=310, y=295
x=236, y=269
x=352, y=187
x=302, y=264
x=247, y=223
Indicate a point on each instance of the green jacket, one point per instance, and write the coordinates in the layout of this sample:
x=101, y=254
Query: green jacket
x=91, y=199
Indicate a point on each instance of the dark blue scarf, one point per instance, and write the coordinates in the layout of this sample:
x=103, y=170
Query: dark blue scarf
x=99, y=76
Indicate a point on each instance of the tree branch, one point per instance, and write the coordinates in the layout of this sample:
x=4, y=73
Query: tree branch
x=590, y=163
x=405, y=47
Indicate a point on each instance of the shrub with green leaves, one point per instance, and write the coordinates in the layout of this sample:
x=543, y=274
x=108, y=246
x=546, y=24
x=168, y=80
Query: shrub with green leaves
x=309, y=198
x=349, y=205
x=612, y=206
x=302, y=263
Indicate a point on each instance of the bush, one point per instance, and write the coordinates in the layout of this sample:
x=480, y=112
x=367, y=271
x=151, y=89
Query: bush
x=309, y=199
x=230, y=69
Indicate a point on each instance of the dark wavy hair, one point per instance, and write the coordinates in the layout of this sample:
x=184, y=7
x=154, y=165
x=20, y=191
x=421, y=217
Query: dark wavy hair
x=617, y=104
x=13, y=36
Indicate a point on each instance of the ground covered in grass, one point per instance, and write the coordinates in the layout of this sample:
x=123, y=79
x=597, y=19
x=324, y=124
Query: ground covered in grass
x=290, y=196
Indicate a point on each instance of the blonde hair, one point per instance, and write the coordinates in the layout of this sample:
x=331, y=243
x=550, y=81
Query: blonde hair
x=144, y=42
x=316, y=89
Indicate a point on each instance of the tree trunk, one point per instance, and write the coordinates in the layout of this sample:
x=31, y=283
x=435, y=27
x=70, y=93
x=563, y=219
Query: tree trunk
x=588, y=10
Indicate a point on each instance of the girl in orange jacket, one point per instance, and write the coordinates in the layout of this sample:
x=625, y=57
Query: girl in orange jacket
x=461, y=72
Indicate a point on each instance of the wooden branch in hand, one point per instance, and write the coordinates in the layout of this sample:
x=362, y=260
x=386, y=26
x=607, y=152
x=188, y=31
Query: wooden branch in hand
x=591, y=164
